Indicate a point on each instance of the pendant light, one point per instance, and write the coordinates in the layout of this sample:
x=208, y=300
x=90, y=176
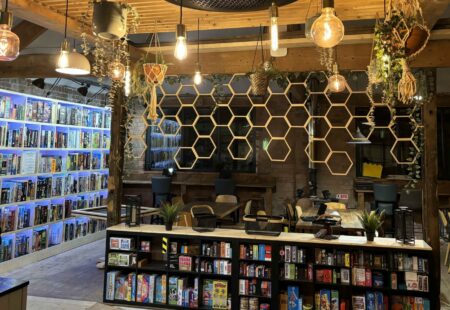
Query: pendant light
x=180, y=47
x=127, y=85
x=336, y=82
x=359, y=138
x=72, y=63
x=274, y=27
x=328, y=30
x=9, y=41
x=198, y=70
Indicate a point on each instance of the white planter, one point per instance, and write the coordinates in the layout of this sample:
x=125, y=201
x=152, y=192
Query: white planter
x=109, y=20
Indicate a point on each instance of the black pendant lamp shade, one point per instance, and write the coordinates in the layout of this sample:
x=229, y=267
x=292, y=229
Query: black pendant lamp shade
x=230, y=5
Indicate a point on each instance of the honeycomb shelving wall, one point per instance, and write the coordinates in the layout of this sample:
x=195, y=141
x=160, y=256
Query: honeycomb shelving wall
x=285, y=110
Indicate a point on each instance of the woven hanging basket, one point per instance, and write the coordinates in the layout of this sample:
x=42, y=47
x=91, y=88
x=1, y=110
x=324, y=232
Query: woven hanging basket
x=417, y=40
x=259, y=83
x=154, y=73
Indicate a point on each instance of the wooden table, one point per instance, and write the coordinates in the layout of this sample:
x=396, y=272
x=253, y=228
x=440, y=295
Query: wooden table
x=13, y=294
x=101, y=213
x=350, y=223
x=221, y=209
x=268, y=187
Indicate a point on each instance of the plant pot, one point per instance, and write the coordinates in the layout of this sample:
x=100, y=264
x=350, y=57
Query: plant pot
x=259, y=83
x=109, y=20
x=417, y=40
x=154, y=73
x=169, y=225
x=370, y=235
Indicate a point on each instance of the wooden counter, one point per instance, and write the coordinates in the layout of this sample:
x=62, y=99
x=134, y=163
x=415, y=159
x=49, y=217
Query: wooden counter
x=13, y=294
x=356, y=241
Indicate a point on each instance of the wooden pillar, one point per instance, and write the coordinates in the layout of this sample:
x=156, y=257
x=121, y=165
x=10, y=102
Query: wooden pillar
x=116, y=159
x=430, y=211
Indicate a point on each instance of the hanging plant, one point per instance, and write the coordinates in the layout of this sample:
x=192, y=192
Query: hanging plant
x=400, y=37
x=327, y=58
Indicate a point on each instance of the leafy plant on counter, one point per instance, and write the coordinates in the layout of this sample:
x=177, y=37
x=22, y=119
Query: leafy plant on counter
x=169, y=212
x=372, y=221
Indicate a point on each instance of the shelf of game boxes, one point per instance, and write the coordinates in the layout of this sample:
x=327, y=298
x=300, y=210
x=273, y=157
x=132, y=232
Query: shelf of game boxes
x=24, y=107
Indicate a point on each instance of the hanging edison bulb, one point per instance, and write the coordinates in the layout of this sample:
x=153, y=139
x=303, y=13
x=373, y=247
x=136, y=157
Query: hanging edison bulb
x=181, y=47
x=127, y=85
x=274, y=27
x=336, y=82
x=198, y=75
x=63, y=59
x=327, y=30
x=116, y=70
x=9, y=41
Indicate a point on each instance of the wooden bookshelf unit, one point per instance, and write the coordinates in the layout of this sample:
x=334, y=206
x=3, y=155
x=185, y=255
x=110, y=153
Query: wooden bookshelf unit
x=229, y=269
x=54, y=158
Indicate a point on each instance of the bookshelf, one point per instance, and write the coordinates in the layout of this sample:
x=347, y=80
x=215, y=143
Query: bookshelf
x=163, y=142
x=262, y=272
x=54, y=158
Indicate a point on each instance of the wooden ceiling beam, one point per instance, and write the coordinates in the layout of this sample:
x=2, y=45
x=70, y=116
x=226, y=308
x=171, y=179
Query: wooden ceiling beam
x=28, y=32
x=350, y=57
x=53, y=20
x=433, y=10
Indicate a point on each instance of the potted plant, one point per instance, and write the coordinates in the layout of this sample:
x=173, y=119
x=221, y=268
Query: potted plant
x=261, y=76
x=169, y=213
x=371, y=222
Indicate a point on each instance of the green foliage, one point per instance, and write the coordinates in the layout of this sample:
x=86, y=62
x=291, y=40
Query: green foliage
x=372, y=222
x=169, y=212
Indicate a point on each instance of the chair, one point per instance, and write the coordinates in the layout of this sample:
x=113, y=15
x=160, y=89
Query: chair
x=184, y=219
x=226, y=199
x=161, y=190
x=224, y=187
x=248, y=208
x=386, y=199
x=292, y=216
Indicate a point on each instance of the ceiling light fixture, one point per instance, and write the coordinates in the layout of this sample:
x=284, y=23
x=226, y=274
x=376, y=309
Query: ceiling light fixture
x=198, y=70
x=83, y=90
x=359, y=138
x=180, y=47
x=39, y=83
x=72, y=63
x=274, y=27
x=327, y=30
x=9, y=41
x=336, y=82
x=116, y=69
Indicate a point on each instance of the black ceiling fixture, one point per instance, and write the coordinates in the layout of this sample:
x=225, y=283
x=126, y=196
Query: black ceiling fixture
x=39, y=83
x=83, y=90
x=230, y=5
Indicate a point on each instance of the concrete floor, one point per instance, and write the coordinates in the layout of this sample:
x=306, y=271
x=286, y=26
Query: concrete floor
x=70, y=275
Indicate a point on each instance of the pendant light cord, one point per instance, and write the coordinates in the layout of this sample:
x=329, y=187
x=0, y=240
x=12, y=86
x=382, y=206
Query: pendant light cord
x=181, y=11
x=67, y=16
x=6, y=6
x=198, y=40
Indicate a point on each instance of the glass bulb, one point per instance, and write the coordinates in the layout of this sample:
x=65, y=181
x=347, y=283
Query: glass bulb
x=9, y=44
x=328, y=30
x=63, y=60
x=198, y=78
x=336, y=83
x=274, y=33
x=117, y=71
x=127, y=86
x=181, y=48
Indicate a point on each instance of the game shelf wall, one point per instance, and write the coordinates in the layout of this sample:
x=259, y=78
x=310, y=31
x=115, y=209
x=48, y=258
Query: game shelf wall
x=54, y=158
x=228, y=269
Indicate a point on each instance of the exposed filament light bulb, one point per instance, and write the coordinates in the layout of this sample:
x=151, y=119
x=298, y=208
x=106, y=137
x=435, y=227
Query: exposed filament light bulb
x=198, y=75
x=127, y=86
x=181, y=47
x=328, y=30
x=274, y=37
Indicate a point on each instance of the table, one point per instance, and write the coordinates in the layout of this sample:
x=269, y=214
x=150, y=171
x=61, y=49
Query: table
x=268, y=187
x=13, y=294
x=350, y=223
x=101, y=213
x=221, y=209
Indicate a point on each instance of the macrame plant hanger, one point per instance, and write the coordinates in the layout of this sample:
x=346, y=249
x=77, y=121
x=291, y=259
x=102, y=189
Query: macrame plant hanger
x=154, y=76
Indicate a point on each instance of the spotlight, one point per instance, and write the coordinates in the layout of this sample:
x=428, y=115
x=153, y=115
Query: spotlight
x=83, y=90
x=39, y=83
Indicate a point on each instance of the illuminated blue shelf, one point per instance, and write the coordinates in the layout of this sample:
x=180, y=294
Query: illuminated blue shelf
x=44, y=124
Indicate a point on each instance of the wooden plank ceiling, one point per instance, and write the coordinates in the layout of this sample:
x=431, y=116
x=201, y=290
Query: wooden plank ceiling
x=167, y=14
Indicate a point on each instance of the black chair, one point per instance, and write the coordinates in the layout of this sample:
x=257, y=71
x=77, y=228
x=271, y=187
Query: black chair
x=386, y=199
x=161, y=190
x=224, y=186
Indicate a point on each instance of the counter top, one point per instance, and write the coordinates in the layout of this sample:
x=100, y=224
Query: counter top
x=389, y=243
x=8, y=285
x=202, y=183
